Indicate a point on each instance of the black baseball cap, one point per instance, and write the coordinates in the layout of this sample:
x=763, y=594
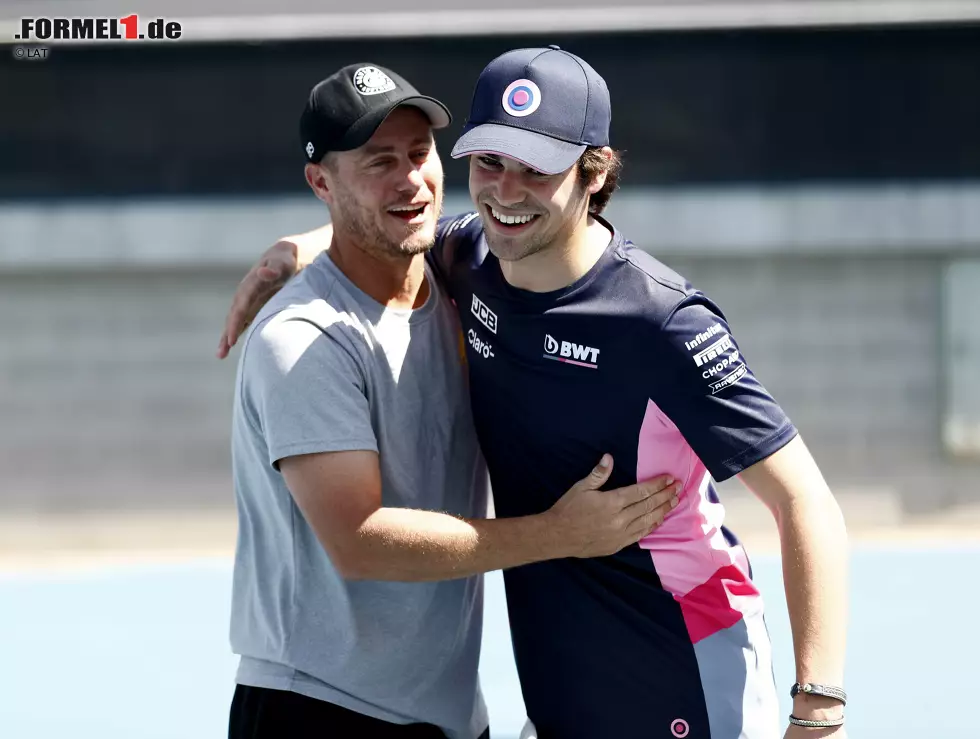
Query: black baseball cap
x=344, y=110
x=543, y=107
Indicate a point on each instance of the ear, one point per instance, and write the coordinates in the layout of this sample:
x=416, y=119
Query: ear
x=600, y=179
x=318, y=179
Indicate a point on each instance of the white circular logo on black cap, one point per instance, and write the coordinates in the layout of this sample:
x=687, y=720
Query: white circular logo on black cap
x=309, y=149
x=372, y=81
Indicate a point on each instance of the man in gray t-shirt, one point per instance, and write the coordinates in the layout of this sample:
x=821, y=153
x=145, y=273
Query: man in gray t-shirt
x=326, y=368
x=360, y=487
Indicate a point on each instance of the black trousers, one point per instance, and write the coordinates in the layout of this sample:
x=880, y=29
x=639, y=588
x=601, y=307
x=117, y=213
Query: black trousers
x=261, y=713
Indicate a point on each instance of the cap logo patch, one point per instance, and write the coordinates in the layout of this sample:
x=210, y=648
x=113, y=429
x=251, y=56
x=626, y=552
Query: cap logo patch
x=309, y=149
x=372, y=81
x=521, y=98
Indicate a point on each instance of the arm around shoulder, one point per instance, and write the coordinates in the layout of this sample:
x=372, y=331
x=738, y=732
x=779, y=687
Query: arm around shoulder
x=275, y=267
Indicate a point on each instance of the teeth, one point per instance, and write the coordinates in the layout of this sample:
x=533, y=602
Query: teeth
x=405, y=208
x=503, y=218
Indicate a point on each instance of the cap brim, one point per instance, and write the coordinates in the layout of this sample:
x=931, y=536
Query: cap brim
x=435, y=111
x=537, y=151
x=359, y=134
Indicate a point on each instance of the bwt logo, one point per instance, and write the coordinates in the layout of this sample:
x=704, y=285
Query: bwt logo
x=570, y=353
x=483, y=314
x=97, y=29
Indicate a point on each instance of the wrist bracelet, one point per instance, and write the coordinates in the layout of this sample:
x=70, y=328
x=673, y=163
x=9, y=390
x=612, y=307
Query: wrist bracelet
x=827, y=691
x=816, y=724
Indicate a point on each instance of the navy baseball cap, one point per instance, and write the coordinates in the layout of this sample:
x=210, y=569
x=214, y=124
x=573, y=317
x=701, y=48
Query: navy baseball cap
x=343, y=111
x=542, y=107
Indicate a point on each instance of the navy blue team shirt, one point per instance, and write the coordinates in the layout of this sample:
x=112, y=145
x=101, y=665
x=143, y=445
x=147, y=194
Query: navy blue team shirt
x=665, y=638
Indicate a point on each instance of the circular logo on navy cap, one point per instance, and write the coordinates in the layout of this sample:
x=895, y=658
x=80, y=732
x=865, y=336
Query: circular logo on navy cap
x=521, y=98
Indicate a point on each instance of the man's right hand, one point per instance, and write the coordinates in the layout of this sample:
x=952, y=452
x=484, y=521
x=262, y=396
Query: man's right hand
x=597, y=523
x=264, y=280
x=280, y=261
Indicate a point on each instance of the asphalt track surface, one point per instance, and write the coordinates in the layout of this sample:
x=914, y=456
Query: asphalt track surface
x=106, y=649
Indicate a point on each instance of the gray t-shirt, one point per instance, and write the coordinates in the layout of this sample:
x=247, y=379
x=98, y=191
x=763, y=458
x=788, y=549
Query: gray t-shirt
x=325, y=368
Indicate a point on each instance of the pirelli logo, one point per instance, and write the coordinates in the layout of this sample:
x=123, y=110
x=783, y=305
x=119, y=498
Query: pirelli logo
x=714, y=351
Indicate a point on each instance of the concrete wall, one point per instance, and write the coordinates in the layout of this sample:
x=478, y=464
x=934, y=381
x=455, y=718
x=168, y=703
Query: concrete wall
x=110, y=396
x=850, y=346
x=109, y=392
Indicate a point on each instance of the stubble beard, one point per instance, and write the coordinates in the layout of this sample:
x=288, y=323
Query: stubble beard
x=361, y=226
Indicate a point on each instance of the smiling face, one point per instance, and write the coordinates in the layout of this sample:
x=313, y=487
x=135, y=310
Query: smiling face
x=524, y=211
x=386, y=196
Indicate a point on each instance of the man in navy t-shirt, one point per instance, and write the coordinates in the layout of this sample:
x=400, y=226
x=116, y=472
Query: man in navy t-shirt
x=580, y=343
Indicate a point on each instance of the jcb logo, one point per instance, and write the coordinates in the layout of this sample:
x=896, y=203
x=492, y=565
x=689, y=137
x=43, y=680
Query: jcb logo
x=483, y=314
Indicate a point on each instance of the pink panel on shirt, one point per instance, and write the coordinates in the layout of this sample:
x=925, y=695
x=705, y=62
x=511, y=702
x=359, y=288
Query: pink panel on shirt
x=718, y=603
x=689, y=551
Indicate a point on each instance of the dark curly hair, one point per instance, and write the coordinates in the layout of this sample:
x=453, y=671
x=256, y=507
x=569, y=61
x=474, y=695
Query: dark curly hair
x=591, y=164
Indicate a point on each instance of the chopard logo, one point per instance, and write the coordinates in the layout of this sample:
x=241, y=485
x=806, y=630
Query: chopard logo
x=720, y=362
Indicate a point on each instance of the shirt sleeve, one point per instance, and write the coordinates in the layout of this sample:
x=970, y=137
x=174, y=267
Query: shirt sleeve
x=443, y=253
x=724, y=413
x=305, y=391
